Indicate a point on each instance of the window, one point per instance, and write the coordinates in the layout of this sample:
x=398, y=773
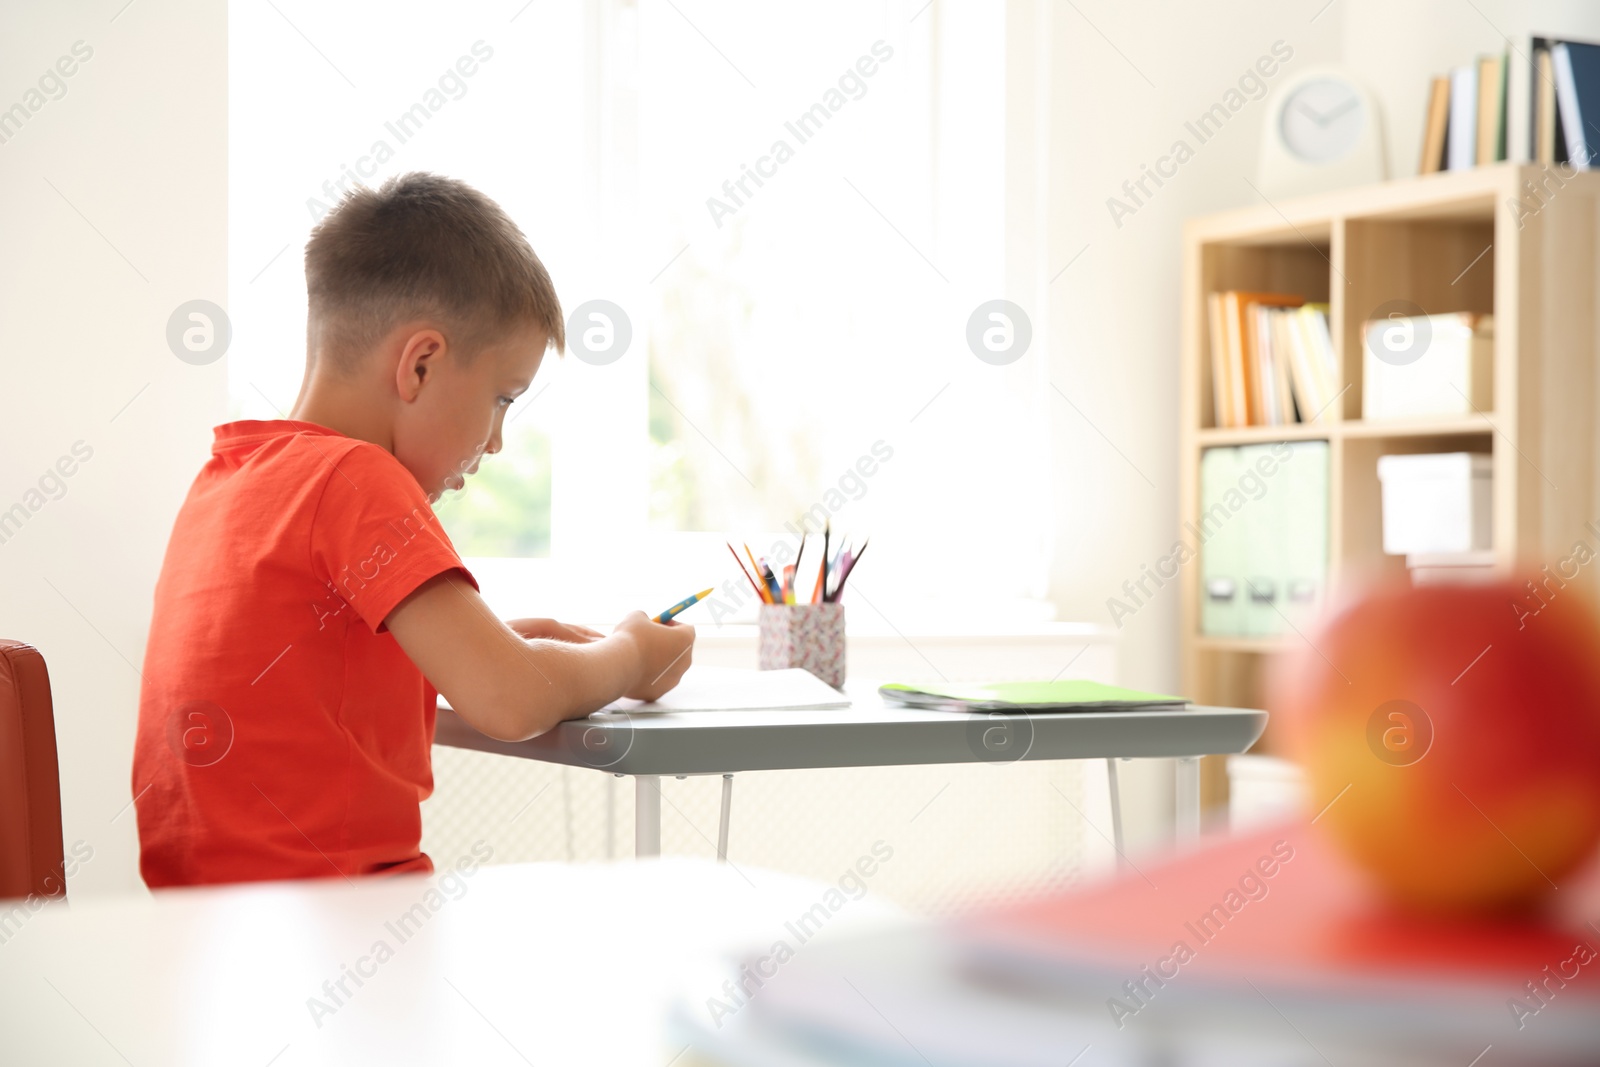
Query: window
x=796, y=210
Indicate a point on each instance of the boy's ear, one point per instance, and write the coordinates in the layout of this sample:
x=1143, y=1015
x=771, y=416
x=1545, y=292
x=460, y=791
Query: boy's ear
x=420, y=355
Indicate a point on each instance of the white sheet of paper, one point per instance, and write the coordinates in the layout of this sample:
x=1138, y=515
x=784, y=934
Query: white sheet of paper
x=738, y=689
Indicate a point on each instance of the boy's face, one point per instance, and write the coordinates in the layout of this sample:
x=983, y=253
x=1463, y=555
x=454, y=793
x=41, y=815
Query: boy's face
x=456, y=412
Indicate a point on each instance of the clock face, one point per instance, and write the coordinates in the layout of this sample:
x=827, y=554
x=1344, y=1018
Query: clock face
x=1322, y=120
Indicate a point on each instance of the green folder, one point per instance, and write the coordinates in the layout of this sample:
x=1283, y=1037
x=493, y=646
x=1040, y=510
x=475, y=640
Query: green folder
x=1068, y=695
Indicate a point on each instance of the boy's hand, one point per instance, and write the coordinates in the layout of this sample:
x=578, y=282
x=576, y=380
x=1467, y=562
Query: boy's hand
x=665, y=650
x=534, y=629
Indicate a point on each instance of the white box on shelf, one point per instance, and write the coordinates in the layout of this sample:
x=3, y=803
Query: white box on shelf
x=1435, y=502
x=1429, y=366
x=1452, y=568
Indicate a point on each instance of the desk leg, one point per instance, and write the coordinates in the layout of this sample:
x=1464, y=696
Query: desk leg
x=646, y=816
x=722, y=824
x=1186, y=827
x=1116, y=810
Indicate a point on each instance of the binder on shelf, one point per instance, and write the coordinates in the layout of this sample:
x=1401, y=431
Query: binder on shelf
x=1263, y=526
x=1303, y=519
x=1263, y=554
x=1221, y=554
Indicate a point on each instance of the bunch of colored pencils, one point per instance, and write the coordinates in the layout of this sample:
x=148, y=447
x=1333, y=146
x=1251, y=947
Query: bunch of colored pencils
x=777, y=586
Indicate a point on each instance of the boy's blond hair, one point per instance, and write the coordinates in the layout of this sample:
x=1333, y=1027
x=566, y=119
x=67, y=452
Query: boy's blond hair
x=422, y=246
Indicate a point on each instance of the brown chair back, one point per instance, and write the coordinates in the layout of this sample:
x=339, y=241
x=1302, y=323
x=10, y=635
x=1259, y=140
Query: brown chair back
x=31, y=855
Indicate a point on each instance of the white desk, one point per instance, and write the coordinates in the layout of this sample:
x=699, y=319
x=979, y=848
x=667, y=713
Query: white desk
x=927, y=646
x=867, y=734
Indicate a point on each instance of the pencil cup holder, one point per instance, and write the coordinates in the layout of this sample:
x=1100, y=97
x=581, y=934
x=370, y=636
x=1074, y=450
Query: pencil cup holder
x=804, y=635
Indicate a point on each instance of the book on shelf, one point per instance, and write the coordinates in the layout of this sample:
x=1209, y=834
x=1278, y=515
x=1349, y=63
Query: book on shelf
x=1491, y=109
x=1461, y=138
x=1276, y=393
x=1437, y=116
x=1272, y=359
x=1577, y=90
x=1544, y=108
x=1221, y=396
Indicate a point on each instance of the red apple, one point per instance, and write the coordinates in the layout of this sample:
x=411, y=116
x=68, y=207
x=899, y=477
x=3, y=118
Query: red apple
x=1452, y=734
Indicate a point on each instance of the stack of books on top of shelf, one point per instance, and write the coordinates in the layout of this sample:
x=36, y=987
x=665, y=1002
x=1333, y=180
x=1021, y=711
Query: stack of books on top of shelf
x=1466, y=117
x=1272, y=360
x=1468, y=120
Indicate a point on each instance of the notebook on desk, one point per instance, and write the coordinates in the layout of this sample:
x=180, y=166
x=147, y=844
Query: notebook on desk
x=1068, y=695
x=740, y=689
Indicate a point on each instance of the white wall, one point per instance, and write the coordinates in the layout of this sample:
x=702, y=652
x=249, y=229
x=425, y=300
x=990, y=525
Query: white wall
x=113, y=213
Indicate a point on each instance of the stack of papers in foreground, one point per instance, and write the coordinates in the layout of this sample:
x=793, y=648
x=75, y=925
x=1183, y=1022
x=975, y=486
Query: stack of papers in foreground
x=1264, y=950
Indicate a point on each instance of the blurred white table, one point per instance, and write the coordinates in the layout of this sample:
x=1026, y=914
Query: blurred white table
x=539, y=963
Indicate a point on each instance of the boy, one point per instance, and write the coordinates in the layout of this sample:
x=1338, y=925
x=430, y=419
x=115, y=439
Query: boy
x=310, y=607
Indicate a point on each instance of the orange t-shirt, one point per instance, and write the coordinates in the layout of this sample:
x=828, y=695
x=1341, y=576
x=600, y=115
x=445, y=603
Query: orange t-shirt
x=283, y=733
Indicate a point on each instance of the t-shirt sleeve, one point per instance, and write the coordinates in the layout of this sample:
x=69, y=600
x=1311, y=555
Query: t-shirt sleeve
x=374, y=537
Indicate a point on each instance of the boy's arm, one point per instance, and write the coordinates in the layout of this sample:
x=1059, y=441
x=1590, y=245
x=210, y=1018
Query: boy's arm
x=560, y=631
x=512, y=689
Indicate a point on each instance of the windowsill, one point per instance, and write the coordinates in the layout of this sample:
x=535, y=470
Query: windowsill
x=1075, y=633
x=547, y=588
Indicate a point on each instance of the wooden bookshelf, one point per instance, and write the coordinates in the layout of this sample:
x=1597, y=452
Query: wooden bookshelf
x=1447, y=242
